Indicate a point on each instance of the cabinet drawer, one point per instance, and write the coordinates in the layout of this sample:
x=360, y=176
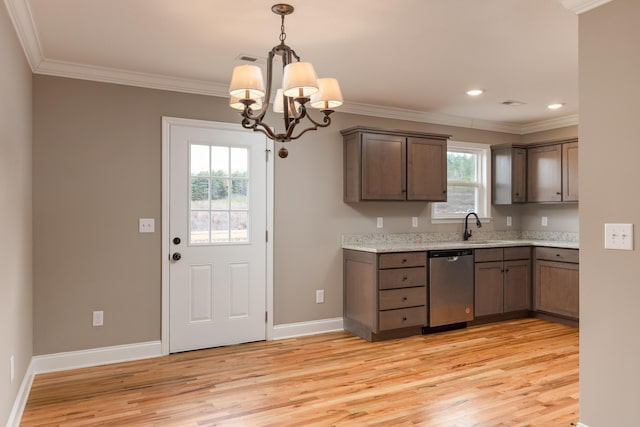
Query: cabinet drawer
x=487, y=255
x=558, y=254
x=393, y=319
x=520, y=252
x=400, y=298
x=402, y=278
x=402, y=259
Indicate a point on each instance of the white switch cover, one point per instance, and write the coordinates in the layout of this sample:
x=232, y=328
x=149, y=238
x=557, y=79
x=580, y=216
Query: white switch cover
x=544, y=221
x=414, y=221
x=379, y=222
x=618, y=236
x=98, y=318
x=146, y=225
x=509, y=221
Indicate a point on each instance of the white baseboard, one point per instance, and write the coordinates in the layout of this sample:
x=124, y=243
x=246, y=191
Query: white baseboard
x=581, y=425
x=15, y=416
x=95, y=356
x=313, y=327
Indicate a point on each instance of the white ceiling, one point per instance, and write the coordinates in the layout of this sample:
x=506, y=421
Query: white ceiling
x=405, y=58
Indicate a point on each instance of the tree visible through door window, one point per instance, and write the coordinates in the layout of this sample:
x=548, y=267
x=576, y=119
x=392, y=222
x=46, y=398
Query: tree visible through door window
x=219, y=207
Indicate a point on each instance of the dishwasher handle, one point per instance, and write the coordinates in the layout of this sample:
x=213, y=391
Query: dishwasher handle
x=452, y=259
x=449, y=253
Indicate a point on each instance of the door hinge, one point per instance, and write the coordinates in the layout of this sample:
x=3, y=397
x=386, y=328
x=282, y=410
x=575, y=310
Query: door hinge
x=266, y=153
x=266, y=316
x=266, y=236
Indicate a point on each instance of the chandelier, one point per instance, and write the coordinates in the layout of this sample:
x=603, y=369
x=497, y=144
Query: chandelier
x=300, y=88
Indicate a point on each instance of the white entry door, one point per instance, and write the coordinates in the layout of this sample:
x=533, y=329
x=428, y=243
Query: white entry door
x=217, y=227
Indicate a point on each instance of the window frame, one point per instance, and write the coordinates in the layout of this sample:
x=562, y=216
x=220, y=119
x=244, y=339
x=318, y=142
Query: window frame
x=482, y=183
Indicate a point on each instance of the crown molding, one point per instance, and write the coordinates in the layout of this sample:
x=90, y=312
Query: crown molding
x=581, y=6
x=22, y=20
x=130, y=78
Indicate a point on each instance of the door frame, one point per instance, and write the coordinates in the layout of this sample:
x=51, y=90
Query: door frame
x=167, y=123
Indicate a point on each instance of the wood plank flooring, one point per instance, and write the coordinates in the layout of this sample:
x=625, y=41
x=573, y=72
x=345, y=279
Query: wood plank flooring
x=515, y=373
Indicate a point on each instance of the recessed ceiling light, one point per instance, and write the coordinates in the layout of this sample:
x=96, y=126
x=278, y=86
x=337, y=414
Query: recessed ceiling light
x=475, y=92
x=512, y=103
x=555, y=106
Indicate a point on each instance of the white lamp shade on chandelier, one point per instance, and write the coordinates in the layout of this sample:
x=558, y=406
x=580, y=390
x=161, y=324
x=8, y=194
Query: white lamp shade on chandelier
x=247, y=82
x=278, y=103
x=299, y=80
x=328, y=96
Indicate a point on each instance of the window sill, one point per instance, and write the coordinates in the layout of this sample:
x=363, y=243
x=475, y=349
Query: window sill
x=458, y=220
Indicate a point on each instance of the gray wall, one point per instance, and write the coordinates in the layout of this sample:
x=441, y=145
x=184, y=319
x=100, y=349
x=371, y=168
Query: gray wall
x=609, y=176
x=16, y=284
x=97, y=169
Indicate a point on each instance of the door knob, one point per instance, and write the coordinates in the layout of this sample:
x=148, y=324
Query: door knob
x=176, y=256
x=176, y=240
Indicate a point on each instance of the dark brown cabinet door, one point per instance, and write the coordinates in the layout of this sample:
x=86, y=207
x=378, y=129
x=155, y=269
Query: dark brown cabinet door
x=519, y=176
x=488, y=288
x=570, y=172
x=383, y=167
x=517, y=285
x=557, y=288
x=426, y=169
x=509, y=175
x=545, y=174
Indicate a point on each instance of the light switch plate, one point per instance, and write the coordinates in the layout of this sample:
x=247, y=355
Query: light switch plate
x=146, y=225
x=618, y=236
x=414, y=221
x=509, y=221
x=379, y=222
x=544, y=222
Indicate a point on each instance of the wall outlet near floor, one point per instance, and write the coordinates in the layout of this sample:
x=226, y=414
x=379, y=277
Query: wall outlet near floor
x=379, y=222
x=414, y=222
x=12, y=368
x=544, y=221
x=618, y=236
x=320, y=296
x=98, y=318
x=509, y=221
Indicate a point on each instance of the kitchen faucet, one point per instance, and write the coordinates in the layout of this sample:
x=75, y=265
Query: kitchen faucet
x=467, y=232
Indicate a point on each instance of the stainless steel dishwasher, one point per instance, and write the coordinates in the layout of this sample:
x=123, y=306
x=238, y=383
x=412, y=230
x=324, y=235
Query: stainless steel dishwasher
x=450, y=287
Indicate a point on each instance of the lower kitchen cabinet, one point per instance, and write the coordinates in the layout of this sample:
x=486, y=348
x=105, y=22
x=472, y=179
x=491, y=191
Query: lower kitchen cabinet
x=556, y=282
x=502, y=280
x=385, y=295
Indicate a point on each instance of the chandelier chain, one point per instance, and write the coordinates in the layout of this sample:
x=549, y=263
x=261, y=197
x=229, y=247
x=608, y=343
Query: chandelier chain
x=283, y=35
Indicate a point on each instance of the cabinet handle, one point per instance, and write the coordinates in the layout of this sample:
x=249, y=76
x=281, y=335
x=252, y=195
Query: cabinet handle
x=557, y=254
x=404, y=260
x=558, y=193
x=404, y=278
x=404, y=319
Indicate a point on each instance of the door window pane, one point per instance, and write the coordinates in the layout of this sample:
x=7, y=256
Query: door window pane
x=219, y=188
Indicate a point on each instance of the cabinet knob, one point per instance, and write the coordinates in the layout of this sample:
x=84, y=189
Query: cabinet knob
x=404, y=299
x=404, y=319
x=558, y=193
x=404, y=278
x=517, y=194
x=404, y=260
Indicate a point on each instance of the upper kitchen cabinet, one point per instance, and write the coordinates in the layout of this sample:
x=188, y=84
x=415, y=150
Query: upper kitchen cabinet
x=509, y=177
x=394, y=165
x=553, y=172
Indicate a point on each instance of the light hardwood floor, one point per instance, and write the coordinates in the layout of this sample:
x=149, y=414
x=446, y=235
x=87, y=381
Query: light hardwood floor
x=516, y=373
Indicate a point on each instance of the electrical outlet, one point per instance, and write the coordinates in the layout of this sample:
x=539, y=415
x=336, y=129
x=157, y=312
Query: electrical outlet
x=414, y=221
x=509, y=221
x=320, y=296
x=13, y=368
x=379, y=222
x=618, y=236
x=98, y=318
x=544, y=222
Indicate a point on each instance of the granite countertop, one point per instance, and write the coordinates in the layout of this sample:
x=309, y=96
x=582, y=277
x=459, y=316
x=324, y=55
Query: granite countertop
x=413, y=242
x=383, y=247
